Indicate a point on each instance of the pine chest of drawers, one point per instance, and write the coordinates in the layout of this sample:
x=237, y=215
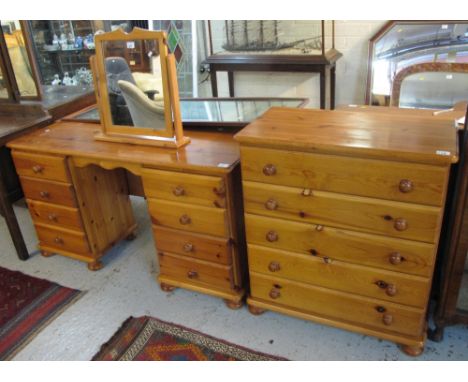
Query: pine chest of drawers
x=343, y=213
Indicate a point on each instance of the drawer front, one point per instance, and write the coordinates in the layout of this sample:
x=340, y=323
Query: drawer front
x=403, y=220
x=202, y=190
x=198, y=246
x=415, y=183
x=334, y=274
x=353, y=247
x=196, y=271
x=70, y=241
x=339, y=306
x=54, y=214
x=50, y=192
x=41, y=166
x=187, y=217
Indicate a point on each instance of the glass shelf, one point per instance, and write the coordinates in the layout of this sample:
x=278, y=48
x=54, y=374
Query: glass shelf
x=216, y=112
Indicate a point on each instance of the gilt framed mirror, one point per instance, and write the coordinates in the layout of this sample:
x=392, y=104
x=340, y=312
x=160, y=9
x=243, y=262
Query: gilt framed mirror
x=403, y=45
x=136, y=89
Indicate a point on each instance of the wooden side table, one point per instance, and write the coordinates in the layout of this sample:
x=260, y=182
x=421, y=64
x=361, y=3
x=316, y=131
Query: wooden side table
x=276, y=63
x=15, y=120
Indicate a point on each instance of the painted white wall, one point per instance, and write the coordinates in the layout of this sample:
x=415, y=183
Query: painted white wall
x=351, y=39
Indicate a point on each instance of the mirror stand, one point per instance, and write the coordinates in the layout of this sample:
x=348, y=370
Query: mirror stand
x=129, y=112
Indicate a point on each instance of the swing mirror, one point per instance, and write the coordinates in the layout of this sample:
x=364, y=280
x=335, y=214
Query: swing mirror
x=136, y=89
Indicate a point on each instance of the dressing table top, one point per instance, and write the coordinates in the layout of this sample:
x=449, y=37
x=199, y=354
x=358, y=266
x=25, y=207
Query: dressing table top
x=209, y=152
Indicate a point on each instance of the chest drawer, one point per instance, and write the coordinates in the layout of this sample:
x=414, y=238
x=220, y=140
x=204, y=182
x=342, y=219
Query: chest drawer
x=198, y=246
x=363, y=311
x=211, y=221
x=196, y=271
x=61, y=239
x=353, y=247
x=54, y=214
x=403, y=220
x=41, y=166
x=407, y=182
x=48, y=191
x=334, y=274
x=209, y=191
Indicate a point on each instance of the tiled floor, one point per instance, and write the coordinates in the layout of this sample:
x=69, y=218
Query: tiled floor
x=126, y=287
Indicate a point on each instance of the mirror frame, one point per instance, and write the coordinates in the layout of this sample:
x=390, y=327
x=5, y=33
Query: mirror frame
x=172, y=136
x=374, y=39
x=434, y=67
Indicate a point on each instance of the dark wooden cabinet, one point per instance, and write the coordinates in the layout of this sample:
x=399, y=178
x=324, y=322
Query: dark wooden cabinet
x=452, y=303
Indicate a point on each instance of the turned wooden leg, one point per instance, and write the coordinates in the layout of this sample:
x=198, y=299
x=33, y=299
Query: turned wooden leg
x=167, y=287
x=413, y=351
x=47, y=254
x=234, y=305
x=256, y=311
x=95, y=265
x=131, y=236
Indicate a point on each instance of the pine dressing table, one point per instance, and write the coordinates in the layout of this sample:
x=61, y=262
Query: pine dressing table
x=77, y=192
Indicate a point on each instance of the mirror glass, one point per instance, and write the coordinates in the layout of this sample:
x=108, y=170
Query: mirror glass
x=433, y=90
x=19, y=58
x=3, y=86
x=403, y=44
x=135, y=85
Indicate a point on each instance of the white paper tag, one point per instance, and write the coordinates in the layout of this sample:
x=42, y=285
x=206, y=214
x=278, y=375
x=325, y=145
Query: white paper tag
x=223, y=165
x=444, y=153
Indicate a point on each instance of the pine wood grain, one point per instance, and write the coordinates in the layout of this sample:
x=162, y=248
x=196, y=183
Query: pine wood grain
x=369, y=135
x=344, y=211
x=348, y=246
x=49, y=191
x=335, y=274
x=202, y=190
x=205, y=220
x=202, y=247
x=54, y=214
x=338, y=305
x=357, y=176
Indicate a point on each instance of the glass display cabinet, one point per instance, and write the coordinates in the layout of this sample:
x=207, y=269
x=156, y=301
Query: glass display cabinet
x=418, y=64
x=62, y=49
x=219, y=113
x=306, y=46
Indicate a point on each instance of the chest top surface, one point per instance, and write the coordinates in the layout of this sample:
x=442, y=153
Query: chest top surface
x=207, y=152
x=391, y=136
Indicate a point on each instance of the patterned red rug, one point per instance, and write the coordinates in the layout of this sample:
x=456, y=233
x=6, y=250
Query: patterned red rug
x=149, y=339
x=27, y=305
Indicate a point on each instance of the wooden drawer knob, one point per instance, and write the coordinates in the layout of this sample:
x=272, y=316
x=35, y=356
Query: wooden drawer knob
x=269, y=169
x=52, y=217
x=387, y=319
x=275, y=293
x=221, y=190
x=400, y=224
x=178, y=191
x=188, y=247
x=405, y=186
x=37, y=169
x=274, y=266
x=44, y=194
x=390, y=289
x=192, y=274
x=58, y=240
x=395, y=258
x=272, y=236
x=185, y=219
x=271, y=204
